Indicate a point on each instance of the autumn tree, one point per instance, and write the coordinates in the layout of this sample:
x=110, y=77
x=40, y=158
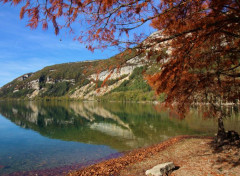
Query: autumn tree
x=202, y=37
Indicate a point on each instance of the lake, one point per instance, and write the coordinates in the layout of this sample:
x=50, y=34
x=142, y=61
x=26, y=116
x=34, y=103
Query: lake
x=51, y=138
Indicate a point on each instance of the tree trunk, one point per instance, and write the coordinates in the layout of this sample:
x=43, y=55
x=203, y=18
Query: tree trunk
x=221, y=129
x=221, y=134
x=223, y=137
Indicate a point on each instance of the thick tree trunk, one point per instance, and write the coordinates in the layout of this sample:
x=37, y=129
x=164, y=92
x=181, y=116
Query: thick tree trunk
x=221, y=134
x=223, y=137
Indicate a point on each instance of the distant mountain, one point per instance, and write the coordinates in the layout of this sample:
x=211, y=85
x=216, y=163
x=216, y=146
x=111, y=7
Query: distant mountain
x=117, y=78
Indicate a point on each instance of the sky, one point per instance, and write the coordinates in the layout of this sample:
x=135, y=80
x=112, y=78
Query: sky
x=23, y=50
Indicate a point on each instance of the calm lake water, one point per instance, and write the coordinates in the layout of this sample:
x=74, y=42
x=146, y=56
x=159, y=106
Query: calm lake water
x=51, y=138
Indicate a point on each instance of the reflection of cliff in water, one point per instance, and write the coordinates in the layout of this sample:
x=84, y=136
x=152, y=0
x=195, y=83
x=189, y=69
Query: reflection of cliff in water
x=120, y=126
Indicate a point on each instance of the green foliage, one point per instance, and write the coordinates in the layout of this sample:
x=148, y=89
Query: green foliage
x=135, y=82
x=161, y=97
x=134, y=95
x=22, y=93
x=113, y=81
x=57, y=89
x=84, y=82
x=42, y=81
x=9, y=93
x=134, y=89
x=99, y=83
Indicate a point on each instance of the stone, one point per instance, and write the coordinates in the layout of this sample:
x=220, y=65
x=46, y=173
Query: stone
x=161, y=169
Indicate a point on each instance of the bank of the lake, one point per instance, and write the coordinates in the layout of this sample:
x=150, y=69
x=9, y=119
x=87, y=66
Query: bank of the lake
x=193, y=155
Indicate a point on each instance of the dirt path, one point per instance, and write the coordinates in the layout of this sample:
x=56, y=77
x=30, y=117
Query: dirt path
x=193, y=155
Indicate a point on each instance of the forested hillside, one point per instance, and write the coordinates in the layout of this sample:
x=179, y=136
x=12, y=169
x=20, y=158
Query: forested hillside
x=119, y=78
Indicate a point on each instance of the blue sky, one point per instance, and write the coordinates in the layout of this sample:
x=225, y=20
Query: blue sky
x=23, y=50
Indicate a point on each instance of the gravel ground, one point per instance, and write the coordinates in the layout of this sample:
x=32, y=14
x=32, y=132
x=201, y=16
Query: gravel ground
x=195, y=156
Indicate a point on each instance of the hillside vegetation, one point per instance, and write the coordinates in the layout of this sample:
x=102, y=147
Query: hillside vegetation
x=119, y=78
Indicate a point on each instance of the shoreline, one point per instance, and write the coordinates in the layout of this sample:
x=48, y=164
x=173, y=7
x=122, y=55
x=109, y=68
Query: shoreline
x=192, y=155
x=154, y=102
x=116, y=165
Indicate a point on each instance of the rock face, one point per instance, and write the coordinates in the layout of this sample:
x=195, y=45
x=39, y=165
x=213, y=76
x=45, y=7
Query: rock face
x=89, y=92
x=23, y=77
x=34, y=84
x=161, y=169
x=116, y=73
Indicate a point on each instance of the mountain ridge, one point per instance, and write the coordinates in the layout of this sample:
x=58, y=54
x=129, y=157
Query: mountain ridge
x=104, y=79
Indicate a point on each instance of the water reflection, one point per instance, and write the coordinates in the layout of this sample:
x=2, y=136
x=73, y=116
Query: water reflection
x=118, y=125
